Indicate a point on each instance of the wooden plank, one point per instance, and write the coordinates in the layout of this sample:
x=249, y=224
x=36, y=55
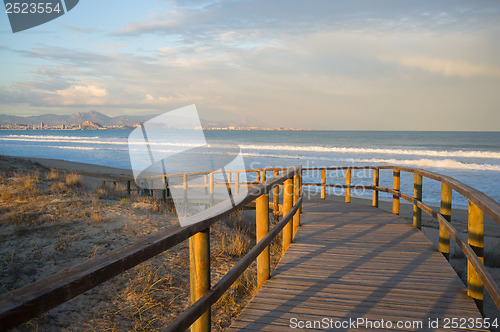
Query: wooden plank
x=347, y=294
x=284, y=285
x=363, y=301
x=352, y=261
x=281, y=322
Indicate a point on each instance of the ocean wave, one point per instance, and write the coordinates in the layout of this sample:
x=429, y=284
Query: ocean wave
x=436, y=163
x=73, y=147
x=283, y=148
x=47, y=140
x=412, y=152
x=50, y=136
x=86, y=141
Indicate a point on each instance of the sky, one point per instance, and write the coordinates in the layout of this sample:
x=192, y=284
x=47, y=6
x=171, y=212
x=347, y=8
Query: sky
x=339, y=65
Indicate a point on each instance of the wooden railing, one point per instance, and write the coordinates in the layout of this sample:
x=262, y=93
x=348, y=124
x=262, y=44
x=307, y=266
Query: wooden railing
x=34, y=299
x=479, y=205
x=143, y=185
x=31, y=300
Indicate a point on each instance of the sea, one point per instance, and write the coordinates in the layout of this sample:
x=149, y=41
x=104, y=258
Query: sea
x=470, y=157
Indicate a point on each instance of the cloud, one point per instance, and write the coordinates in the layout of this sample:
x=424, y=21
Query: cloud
x=199, y=19
x=150, y=100
x=77, y=95
x=266, y=58
x=80, y=30
x=444, y=67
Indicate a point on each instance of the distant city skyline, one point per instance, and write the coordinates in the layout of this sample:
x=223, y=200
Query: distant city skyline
x=356, y=65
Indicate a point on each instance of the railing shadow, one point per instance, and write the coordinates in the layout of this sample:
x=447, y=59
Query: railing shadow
x=314, y=290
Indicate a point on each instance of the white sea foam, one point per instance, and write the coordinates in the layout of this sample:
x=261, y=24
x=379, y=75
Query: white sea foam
x=341, y=154
x=59, y=140
x=413, y=152
x=50, y=136
x=73, y=147
x=84, y=140
x=438, y=163
x=306, y=148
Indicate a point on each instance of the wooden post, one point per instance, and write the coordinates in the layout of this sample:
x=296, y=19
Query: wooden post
x=185, y=182
x=476, y=242
x=228, y=177
x=348, y=183
x=262, y=225
x=205, y=182
x=300, y=190
x=262, y=176
x=257, y=176
x=128, y=188
x=396, y=185
x=287, y=206
x=276, y=198
x=444, y=236
x=375, y=184
x=236, y=183
x=417, y=194
x=199, y=256
x=211, y=188
x=296, y=196
x=323, y=181
x=164, y=192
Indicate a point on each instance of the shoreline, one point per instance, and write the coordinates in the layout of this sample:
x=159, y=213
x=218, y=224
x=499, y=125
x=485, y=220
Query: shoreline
x=84, y=168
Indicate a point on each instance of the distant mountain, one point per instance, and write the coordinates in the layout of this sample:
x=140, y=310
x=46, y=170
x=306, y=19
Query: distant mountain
x=76, y=118
x=104, y=120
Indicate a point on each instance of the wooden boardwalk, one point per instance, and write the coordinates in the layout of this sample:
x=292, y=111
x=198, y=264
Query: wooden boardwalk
x=353, y=262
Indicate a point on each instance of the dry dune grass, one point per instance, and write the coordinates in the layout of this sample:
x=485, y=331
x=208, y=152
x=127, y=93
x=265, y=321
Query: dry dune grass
x=52, y=219
x=53, y=174
x=73, y=179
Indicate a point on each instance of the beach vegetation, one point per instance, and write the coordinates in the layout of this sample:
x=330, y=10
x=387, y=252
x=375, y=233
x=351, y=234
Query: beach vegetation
x=73, y=180
x=58, y=187
x=124, y=200
x=62, y=219
x=54, y=174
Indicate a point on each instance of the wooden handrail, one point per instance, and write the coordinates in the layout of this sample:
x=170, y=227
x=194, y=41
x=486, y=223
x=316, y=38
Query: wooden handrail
x=253, y=170
x=483, y=201
x=479, y=204
x=188, y=316
x=29, y=301
x=489, y=283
